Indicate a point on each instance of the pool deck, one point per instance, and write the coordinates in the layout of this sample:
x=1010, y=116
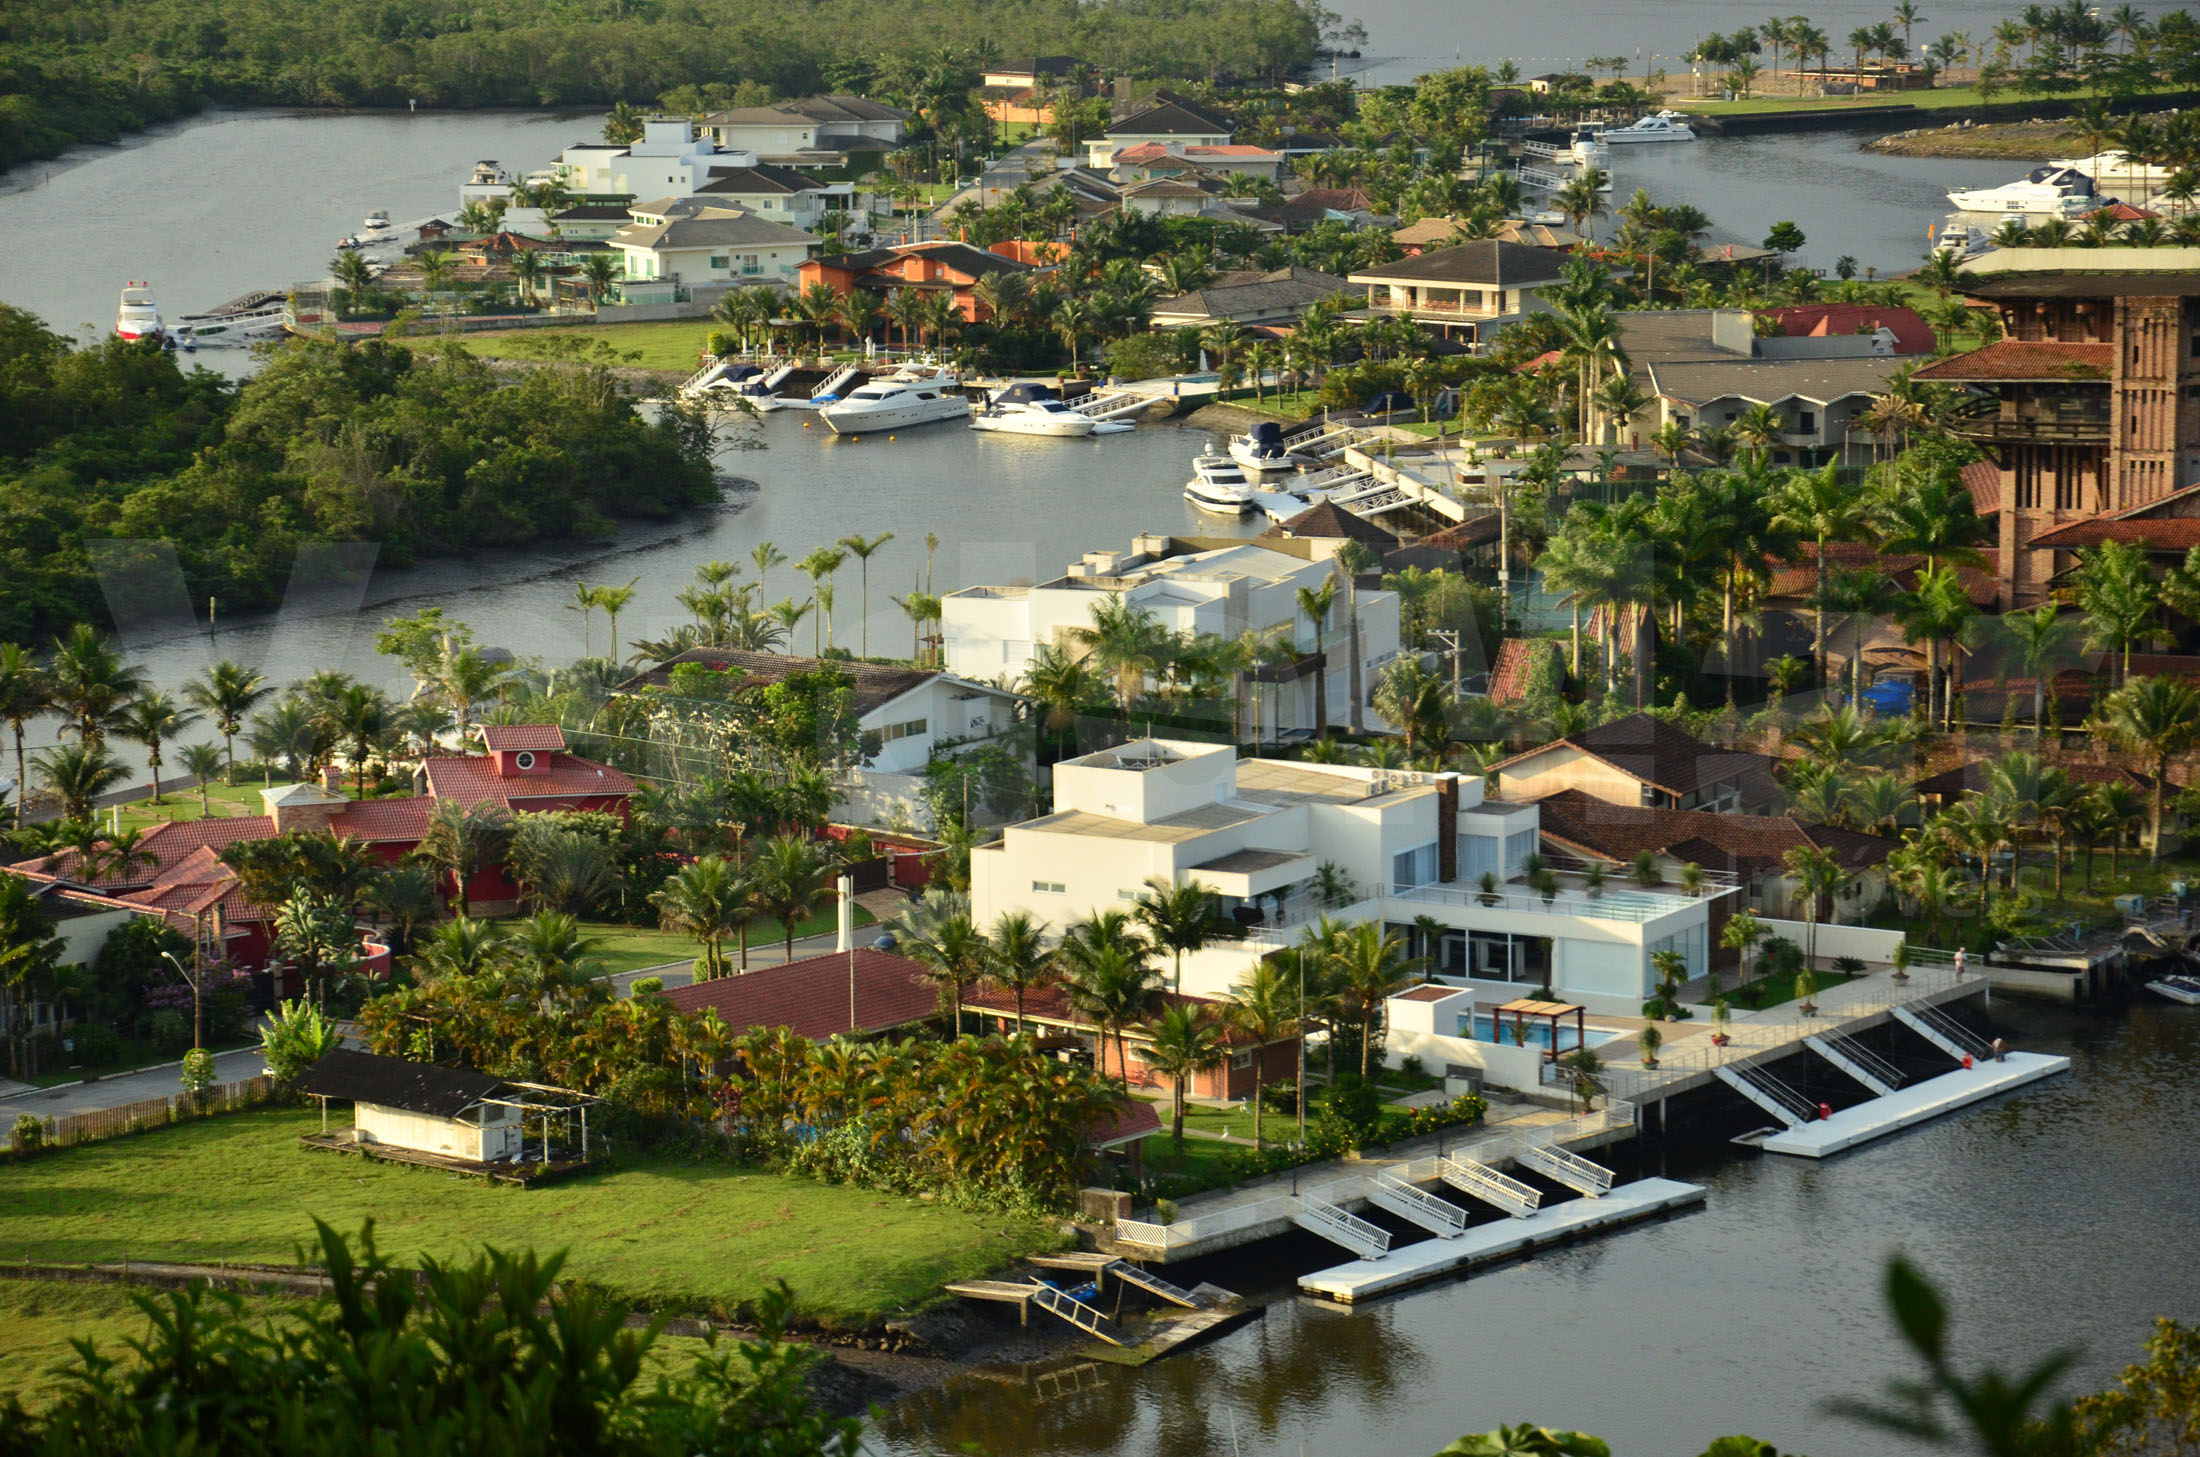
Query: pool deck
x=1918, y=1102
x=1502, y=1240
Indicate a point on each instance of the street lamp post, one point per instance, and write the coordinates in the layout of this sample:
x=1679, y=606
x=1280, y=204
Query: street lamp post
x=191, y=980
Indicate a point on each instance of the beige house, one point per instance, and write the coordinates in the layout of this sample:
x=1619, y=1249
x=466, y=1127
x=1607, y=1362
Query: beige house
x=681, y=242
x=1471, y=290
x=1641, y=761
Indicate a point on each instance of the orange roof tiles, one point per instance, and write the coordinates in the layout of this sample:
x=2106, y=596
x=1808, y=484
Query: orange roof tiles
x=2025, y=359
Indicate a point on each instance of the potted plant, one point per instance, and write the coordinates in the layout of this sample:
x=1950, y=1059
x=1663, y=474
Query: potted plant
x=1546, y=886
x=1692, y=878
x=1650, y=1040
x=1722, y=1016
x=1592, y=879
x=1901, y=960
x=1806, y=987
x=1488, y=896
x=1647, y=872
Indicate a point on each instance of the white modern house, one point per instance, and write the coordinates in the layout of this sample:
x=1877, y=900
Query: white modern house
x=992, y=633
x=668, y=159
x=779, y=193
x=1278, y=841
x=817, y=129
x=676, y=242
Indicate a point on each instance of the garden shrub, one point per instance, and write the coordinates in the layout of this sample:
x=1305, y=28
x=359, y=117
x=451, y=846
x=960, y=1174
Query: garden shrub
x=95, y=1044
x=29, y=1135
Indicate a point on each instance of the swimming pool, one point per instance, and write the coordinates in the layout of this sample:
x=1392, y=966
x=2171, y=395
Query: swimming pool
x=1479, y=1028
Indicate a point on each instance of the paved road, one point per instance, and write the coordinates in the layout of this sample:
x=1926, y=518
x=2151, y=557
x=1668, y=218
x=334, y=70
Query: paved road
x=159, y=1082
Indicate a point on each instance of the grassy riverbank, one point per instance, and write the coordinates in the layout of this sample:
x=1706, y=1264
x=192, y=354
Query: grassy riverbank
x=2020, y=141
x=657, y=1232
x=1939, y=98
x=673, y=346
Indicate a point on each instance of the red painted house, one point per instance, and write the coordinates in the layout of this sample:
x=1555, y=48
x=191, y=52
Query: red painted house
x=932, y=267
x=526, y=770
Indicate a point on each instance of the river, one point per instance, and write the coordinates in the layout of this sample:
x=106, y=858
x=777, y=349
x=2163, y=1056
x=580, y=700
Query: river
x=2060, y=1216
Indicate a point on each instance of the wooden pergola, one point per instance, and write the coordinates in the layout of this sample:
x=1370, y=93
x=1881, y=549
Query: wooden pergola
x=1523, y=1008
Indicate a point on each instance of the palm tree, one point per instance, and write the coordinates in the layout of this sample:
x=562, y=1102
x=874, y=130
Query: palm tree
x=1934, y=613
x=863, y=550
x=467, y=677
x=819, y=567
x=528, y=268
x=1265, y=1007
x=202, y=762
x=709, y=900
x=1110, y=981
x=1819, y=505
x=1181, y=1044
x=1819, y=875
x=1061, y=685
x=228, y=692
x=1125, y=641
x=152, y=719
x=766, y=556
x=1370, y=966
x=78, y=774
x=1181, y=917
x=24, y=695
x=1020, y=960
x=2160, y=718
x=88, y=682
x=788, y=874
x=2118, y=598
x=602, y=271
x=613, y=601
x=2042, y=639
x=1315, y=604
x=462, y=840
x=954, y=953
x=358, y=717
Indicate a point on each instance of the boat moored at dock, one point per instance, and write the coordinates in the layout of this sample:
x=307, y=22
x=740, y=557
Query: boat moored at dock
x=1219, y=484
x=138, y=317
x=915, y=394
x=2056, y=192
x=1025, y=408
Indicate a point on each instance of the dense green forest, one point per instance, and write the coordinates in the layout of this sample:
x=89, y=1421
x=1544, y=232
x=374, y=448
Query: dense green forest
x=90, y=69
x=425, y=453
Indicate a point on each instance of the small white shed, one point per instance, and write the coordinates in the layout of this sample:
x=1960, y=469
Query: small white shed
x=420, y=1106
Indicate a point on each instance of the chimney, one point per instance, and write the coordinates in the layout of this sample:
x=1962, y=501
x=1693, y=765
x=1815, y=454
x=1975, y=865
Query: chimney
x=1447, y=827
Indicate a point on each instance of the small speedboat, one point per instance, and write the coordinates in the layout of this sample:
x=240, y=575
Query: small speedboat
x=1957, y=239
x=1219, y=484
x=2184, y=989
x=377, y=221
x=1261, y=451
x=138, y=317
x=1031, y=409
x=1666, y=126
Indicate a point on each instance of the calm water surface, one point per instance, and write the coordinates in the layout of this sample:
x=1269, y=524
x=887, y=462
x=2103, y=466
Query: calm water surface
x=2057, y=1217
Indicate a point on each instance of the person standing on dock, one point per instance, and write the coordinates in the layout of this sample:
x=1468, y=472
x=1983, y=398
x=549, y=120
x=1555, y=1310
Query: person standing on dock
x=1959, y=963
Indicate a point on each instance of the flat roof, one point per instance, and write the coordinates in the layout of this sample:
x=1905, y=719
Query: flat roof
x=1278, y=782
x=1174, y=829
x=1245, y=862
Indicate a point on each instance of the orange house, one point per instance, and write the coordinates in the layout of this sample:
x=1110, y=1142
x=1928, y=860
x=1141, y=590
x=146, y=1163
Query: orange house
x=954, y=267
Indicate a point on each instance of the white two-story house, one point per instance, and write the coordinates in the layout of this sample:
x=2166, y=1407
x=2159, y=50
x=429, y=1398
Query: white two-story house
x=686, y=242
x=1284, y=843
x=992, y=633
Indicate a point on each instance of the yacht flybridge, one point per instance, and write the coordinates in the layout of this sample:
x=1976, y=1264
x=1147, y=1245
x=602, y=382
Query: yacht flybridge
x=1666, y=126
x=2044, y=192
x=138, y=317
x=1219, y=484
x=915, y=394
x=1031, y=409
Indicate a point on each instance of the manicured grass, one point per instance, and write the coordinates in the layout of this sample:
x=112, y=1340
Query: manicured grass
x=1780, y=987
x=630, y=948
x=658, y=1232
x=673, y=345
x=1939, y=98
x=223, y=801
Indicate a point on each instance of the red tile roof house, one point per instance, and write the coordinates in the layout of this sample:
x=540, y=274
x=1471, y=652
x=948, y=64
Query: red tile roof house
x=525, y=770
x=821, y=997
x=1048, y=1010
x=949, y=266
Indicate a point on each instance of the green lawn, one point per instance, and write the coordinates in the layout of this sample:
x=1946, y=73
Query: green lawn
x=630, y=948
x=1780, y=987
x=664, y=1233
x=223, y=801
x=674, y=345
x=1939, y=98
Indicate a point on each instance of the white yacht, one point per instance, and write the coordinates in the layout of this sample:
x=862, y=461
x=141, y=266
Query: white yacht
x=138, y=318
x=915, y=394
x=1031, y=409
x=1958, y=239
x=1261, y=452
x=2044, y=192
x=2185, y=989
x=377, y=221
x=1219, y=484
x=2117, y=169
x=1666, y=126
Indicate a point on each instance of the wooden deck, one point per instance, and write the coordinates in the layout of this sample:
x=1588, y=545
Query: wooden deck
x=523, y=1175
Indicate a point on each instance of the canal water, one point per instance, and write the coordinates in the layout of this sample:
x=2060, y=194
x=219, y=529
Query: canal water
x=2059, y=1217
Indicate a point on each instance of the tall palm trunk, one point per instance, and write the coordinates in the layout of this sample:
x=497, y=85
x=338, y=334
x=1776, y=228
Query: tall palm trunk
x=1352, y=609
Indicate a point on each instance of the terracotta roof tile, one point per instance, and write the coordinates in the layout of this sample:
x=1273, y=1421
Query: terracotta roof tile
x=1051, y=1004
x=375, y=821
x=1912, y=335
x=1737, y=842
x=536, y=736
x=1982, y=478
x=1509, y=675
x=2024, y=359
x=2177, y=533
x=1474, y=531
x=474, y=780
x=1329, y=520
x=811, y=997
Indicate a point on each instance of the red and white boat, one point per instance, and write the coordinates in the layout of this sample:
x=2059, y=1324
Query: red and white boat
x=138, y=318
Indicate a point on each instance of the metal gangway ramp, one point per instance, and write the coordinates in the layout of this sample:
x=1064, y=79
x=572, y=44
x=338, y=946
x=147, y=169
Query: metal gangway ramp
x=1767, y=1092
x=1076, y=1312
x=1130, y=1274
x=1857, y=1060
x=1438, y=1215
x=1368, y=1241
x=835, y=381
x=1112, y=404
x=1943, y=1031
x=1480, y=1181
x=1568, y=1168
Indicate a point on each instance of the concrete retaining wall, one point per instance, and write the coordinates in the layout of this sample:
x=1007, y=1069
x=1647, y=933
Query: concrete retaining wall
x=1873, y=947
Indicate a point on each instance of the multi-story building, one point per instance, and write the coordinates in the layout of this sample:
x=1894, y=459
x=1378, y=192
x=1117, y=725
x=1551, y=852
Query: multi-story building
x=816, y=131
x=677, y=243
x=2089, y=406
x=992, y=633
x=1285, y=843
x=1474, y=288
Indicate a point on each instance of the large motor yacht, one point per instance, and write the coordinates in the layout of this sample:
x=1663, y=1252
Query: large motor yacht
x=1261, y=451
x=137, y=318
x=1666, y=126
x=1031, y=409
x=1219, y=484
x=2044, y=192
x=915, y=394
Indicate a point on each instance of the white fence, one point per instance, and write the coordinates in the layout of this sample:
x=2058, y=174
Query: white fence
x=1865, y=943
x=1353, y=1188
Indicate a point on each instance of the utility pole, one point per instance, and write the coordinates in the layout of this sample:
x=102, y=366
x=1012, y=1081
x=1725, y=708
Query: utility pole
x=1450, y=636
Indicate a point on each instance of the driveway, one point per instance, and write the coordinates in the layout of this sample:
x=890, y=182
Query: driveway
x=113, y=1092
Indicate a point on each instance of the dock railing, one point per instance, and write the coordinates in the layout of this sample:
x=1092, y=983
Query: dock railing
x=1754, y=1038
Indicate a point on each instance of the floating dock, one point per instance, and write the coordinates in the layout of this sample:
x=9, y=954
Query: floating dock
x=1908, y=1106
x=1488, y=1243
